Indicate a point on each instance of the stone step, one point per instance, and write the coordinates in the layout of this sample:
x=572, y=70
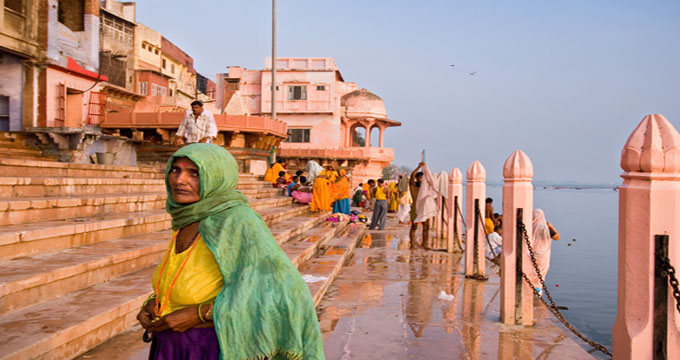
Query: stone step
x=24, y=168
x=47, y=236
x=308, y=243
x=334, y=252
x=29, y=280
x=255, y=184
x=23, y=186
x=261, y=193
x=268, y=203
x=18, y=150
x=274, y=215
x=20, y=187
x=67, y=326
x=289, y=229
x=27, y=210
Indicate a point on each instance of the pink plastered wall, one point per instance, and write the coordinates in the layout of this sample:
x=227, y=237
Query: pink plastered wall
x=55, y=77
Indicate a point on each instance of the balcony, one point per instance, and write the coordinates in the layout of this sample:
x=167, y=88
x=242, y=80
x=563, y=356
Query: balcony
x=346, y=153
x=171, y=120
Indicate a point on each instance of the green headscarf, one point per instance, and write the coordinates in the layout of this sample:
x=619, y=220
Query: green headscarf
x=265, y=309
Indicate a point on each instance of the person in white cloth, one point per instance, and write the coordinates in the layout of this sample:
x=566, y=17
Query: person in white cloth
x=424, y=193
x=404, y=200
x=198, y=126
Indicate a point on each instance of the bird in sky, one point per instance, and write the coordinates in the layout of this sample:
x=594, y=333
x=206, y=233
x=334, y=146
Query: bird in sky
x=472, y=73
x=452, y=65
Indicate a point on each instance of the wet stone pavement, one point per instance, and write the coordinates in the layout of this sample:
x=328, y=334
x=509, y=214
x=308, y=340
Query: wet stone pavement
x=385, y=304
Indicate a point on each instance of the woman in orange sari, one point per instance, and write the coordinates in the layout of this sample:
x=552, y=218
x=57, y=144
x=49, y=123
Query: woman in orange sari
x=340, y=191
x=321, y=194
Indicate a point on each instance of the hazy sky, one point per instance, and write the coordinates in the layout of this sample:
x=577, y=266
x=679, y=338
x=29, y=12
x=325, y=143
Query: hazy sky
x=565, y=81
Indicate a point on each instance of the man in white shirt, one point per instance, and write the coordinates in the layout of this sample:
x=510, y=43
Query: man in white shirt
x=198, y=126
x=495, y=241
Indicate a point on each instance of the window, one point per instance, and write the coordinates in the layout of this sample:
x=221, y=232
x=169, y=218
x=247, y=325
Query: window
x=144, y=88
x=169, y=92
x=143, y=46
x=320, y=88
x=163, y=64
x=156, y=52
x=270, y=87
x=118, y=29
x=18, y=6
x=298, y=135
x=4, y=112
x=172, y=68
x=157, y=90
x=297, y=92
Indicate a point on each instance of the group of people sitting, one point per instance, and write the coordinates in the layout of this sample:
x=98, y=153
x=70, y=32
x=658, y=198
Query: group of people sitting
x=323, y=188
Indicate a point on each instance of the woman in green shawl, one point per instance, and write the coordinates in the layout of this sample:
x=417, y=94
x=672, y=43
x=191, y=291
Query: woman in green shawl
x=224, y=288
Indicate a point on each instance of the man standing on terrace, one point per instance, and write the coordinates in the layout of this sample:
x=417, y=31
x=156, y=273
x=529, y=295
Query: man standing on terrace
x=198, y=126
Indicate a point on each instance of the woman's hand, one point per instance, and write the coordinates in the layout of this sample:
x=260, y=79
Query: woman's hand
x=180, y=320
x=145, y=315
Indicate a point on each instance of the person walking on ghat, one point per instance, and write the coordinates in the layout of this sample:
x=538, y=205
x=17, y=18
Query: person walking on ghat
x=198, y=126
x=224, y=288
x=382, y=194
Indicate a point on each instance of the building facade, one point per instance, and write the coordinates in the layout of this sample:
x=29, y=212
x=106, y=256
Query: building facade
x=323, y=113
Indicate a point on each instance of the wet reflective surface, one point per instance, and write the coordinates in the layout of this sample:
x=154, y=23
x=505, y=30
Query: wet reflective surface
x=387, y=303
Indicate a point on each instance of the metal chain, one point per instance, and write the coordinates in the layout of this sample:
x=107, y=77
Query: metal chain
x=672, y=279
x=552, y=307
x=461, y=215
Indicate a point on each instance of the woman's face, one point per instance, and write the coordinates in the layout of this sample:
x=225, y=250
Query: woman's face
x=184, y=181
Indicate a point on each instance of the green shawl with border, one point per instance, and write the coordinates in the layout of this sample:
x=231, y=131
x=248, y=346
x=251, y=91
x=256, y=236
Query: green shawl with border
x=265, y=308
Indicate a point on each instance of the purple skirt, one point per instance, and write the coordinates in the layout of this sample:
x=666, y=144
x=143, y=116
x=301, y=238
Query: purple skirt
x=193, y=344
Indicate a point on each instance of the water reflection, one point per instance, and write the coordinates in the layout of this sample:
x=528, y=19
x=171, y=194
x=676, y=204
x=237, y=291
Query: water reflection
x=385, y=304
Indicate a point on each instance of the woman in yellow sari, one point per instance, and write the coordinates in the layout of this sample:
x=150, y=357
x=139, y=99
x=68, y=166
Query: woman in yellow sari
x=321, y=194
x=394, y=201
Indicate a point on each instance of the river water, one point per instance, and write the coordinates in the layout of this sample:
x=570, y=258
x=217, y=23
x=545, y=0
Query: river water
x=581, y=276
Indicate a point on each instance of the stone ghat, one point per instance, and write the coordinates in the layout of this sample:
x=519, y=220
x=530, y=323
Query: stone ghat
x=79, y=243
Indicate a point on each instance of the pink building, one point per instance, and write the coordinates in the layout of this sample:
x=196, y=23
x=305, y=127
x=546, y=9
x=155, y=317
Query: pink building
x=322, y=111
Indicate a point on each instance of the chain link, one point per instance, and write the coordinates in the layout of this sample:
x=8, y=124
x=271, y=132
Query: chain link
x=672, y=279
x=461, y=216
x=552, y=307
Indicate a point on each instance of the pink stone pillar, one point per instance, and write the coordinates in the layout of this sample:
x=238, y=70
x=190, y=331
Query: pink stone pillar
x=475, y=238
x=454, y=205
x=382, y=136
x=367, y=141
x=517, y=305
x=649, y=205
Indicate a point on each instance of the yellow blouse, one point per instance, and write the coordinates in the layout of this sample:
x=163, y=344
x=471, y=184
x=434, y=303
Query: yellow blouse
x=199, y=281
x=380, y=194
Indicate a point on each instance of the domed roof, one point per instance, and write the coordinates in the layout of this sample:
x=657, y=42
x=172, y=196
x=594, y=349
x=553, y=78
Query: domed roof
x=363, y=103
